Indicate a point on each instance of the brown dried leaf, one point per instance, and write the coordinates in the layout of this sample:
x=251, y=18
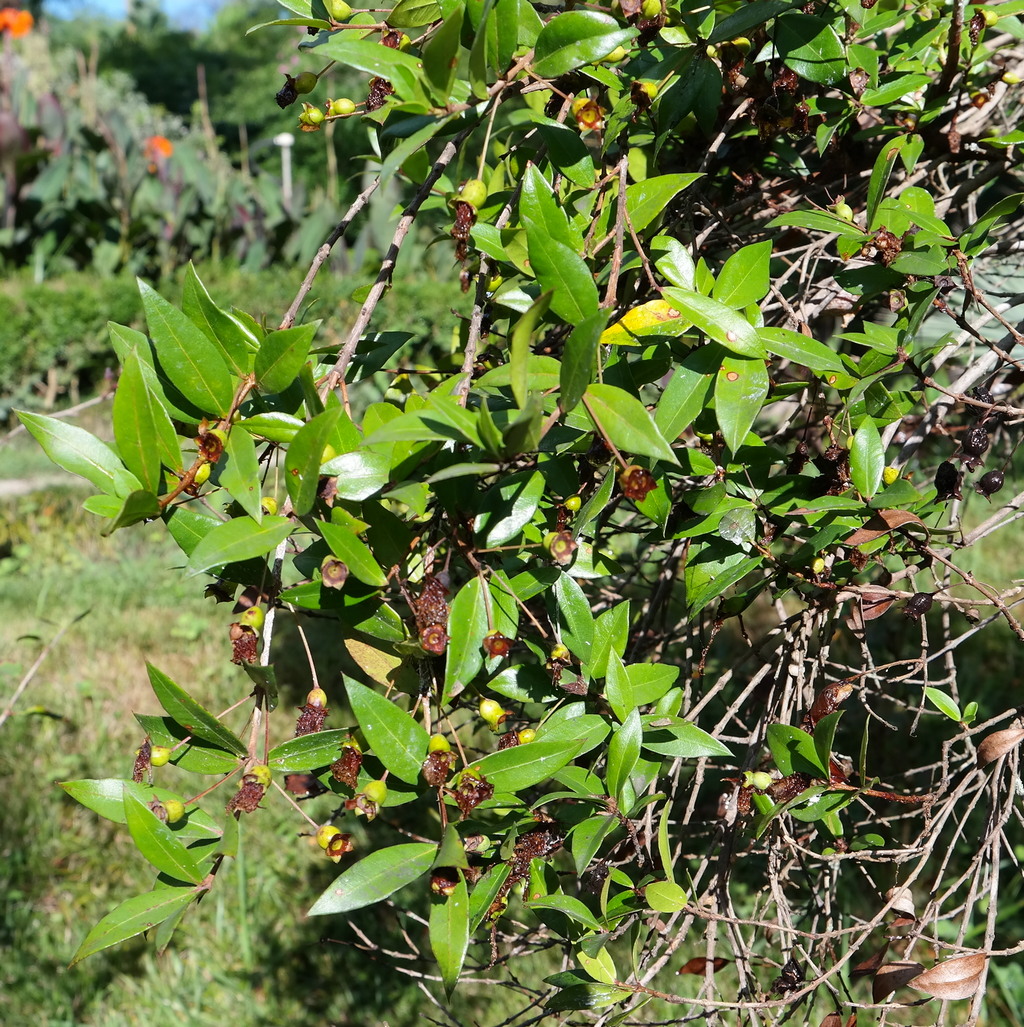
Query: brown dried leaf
x=999, y=743
x=828, y=700
x=881, y=524
x=869, y=967
x=953, y=978
x=892, y=976
x=874, y=602
x=698, y=965
x=835, y=1020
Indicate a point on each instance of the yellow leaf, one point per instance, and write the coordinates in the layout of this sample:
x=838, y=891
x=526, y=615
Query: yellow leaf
x=654, y=318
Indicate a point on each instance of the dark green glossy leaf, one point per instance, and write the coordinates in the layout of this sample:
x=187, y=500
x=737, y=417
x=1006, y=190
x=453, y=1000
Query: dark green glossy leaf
x=810, y=47
x=307, y=752
x=586, y=996
x=281, y=356
x=196, y=756
x=801, y=350
x=238, y=471
x=566, y=150
x=188, y=527
x=241, y=538
x=672, y=736
x=193, y=363
x=138, y=506
x=562, y=271
x=234, y=342
x=575, y=615
x=571, y=907
x=359, y=474
x=132, y=917
x=306, y=454
x=744, y=278
x=794, y=752
x=449, y=932
x=740, y=390
x=623, y=752
x=665, y=896
x=717, y=321
x=508, y=507
x=647, y=199
x=181, y=707
x=441, y=55
x=411, y=14
x=519, y=347
x=579, y=360
x=397, y=740
x=81, y=453
x=106, y=797
x=575, y=38
x=353, y=552
x=626, y=421
x=275, y=426
x=158, y=844
x=867, y=459
x=485, y=891
x=523, y=766
x=375, y=877
x=467, y=625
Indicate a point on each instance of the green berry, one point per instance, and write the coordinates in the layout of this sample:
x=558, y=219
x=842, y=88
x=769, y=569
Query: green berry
x=757, y=779
x=890, y=474
x=438, y=743
x=202, y=475
x=159, y=755
x=620, y=53
x=491, y=711
x=474, y=192
x=342, y=107
x=253, y=618
x=175, y=810
x=650, y=88
x=338, y=10
x=844, y=211
x=316, y=697
x=324, y=834
x=651, y=9
x=269, y=504
x=528, y=734
x=262, y=774
x=560, y=653
x=573, y=504
x=376, y=792
x=818, y=566
x=329, y=453
x=306, y=82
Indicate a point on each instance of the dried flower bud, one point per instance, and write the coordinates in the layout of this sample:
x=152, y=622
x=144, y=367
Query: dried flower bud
x=346, y=768
x=472, y=789
x=438, y=766
x=561, y=546
x=496, y=644
x=334, y=572
x=636, y=482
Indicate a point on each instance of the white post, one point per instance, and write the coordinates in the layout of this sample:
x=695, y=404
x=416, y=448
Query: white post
x=286, y=141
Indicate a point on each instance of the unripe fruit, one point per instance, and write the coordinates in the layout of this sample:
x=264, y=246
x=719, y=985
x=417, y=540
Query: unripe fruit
x=491, y=711
x=202, y=475
x=253, y=618
x=316, y=697
x=474, y=192
x=990, y=17
x=560, y=653
x=757, y=779
x=159, y=755
x=1010, y=78
x=269, y=504
x=650, y=88
x=620, y=53
x=573, y=504
x=651, y=9
x=844, y=211
x=342, y=107
x=890, y=474
x=404, y=42
x=338, y=9
x=818, y=566
x=175, y=810
x=438, y=743
x=262, y=774
x=306, y=82
x=742, y=43
x=324, y=834
x=376, y=792
x=528, y=734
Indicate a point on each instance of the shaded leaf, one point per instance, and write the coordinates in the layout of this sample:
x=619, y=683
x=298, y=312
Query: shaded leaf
x=183, y=709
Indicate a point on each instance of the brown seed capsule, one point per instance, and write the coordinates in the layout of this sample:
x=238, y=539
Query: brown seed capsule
x=636, y=482
x=496, y=644
x=947, y=481
x=918, y=605
x=975, y=441
x=346, y=768
x=472, y=789
x=990, y=483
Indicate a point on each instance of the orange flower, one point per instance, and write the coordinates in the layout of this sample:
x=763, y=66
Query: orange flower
x=17, y=22
x=158, y=148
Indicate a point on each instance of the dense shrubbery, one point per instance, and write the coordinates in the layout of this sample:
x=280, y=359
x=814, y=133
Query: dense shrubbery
x=647, y=586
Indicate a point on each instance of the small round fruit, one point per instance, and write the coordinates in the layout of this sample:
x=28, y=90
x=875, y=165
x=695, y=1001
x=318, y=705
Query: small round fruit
x=474, y=192
x=159, y=755
x=991, y=17
x=262, y=774
x=342, y=107
x=818, y=566
x=573, y=504
x=329, y=453
x=202, y=475
x=560, y=653
x=269, y=504
x=404, y=42
x=306, y=82
x=376, y=791
x=175, y=810
x=890, y=475
x=438, y=743
x=253, y=618
x=324, y=834
x=316, y=697
x=650, y=88
x=757, y=779
x=651, y=9
x=1011, y=78
x=491, y=711
x=620, y=53
x=528, y=734
x=742, y=43
x=338, y=9
x=844, y=210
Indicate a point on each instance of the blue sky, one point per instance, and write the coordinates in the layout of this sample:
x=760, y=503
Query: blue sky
x=187, y=13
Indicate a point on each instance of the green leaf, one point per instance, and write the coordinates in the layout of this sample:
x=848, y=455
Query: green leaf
x=397, y=740
x=183, y=709
x=353, y=552
x=585, y=996
x=576, y=38
x=281, y=356
x=508, y=507
x=106, y=797
x=157, y=843
x=275, y=426
x=195, y=756
x=238, y=539
x=824, y=736
x=679, y=739
x=359, y=474
x=188, y=527
x=717, y=321
x=867, y=459
x=235, y=343
x=306, y=454
x=623, y=753
x=794, y=752
x=449, y=933
x=740, y=390
x=375, y=877
x=519, y=347
x=744, y=279
x=802, y=350
x=132, y=917
x=485, y=891
x=575, y=614
x=618, y=689
x=239, y=473
x=579, y=359
x=687, y=393
x=467, y=625
x=441, y=54
x=81, y=453
x=191, y=361
x=401, y=69
x=562, y=271
x=411, y=14
x=566, y=150
x=943, y=703
x=144, y=433
x=647, y=199
x=626, y=422
x=810, y=47
x=307, y=752
x=665, y=897
x=523, y=766
x=138, y=506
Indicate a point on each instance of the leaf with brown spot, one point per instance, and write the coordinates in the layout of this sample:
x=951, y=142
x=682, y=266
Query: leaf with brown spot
x=999, y=743
x=698, y=965
x=892, y=976
x=881, y=524
x=953, y=978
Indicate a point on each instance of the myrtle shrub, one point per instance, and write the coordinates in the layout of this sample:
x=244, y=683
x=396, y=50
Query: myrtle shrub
x=655, y=587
